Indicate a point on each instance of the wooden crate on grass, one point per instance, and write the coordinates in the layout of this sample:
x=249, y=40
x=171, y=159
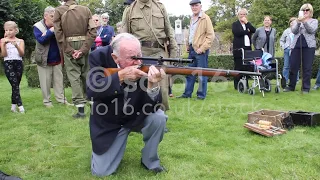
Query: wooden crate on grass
x=272, y=131
x=275, y=117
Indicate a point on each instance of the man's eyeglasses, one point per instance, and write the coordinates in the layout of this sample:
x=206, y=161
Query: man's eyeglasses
x=306, y=10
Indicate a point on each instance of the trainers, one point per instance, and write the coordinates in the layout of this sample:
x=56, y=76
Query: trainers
x=4, y=176
x=21, y=109
x=316, y=87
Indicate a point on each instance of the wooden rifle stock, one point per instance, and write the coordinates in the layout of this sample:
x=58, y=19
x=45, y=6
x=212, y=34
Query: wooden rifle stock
x=196, y=71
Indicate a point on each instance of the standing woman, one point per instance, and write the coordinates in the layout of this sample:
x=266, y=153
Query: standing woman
x=242, y=31
x=285, y=41
x=303, y=48
x=12, y=49
x=265, y=37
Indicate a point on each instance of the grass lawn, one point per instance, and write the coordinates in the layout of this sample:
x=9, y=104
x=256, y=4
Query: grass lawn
x=206, y=139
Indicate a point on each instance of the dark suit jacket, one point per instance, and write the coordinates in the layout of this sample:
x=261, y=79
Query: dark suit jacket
x=239, y=33
x=106, y=35
x=109, y=112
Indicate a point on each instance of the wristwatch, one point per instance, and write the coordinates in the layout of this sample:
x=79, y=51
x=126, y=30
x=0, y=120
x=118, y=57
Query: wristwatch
x=153, y=90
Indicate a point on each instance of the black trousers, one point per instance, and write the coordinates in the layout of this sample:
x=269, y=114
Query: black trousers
x=295, y=62
x=238, y=64
x=13, y=70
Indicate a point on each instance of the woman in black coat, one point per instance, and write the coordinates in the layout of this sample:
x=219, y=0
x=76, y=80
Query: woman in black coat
x=242, y=31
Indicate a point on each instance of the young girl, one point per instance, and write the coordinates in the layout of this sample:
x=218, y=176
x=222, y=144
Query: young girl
x=12, y=49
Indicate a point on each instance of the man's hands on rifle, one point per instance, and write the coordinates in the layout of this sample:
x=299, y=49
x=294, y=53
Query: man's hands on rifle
x=130, y=73
x=155, y=76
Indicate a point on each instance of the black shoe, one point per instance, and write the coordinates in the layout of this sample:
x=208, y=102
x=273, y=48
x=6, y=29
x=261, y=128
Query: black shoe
x=283, y=83
x=155, y=170
x=200, y=98
x=287, y=89
x=183, y=96
x=78, y=115
x=4, y=176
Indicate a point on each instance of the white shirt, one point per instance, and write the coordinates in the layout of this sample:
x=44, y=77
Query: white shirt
x=246, y=37
x=12, y=52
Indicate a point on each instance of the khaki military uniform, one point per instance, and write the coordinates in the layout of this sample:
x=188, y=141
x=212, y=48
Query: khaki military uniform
x=75, y=30
x=149, y=22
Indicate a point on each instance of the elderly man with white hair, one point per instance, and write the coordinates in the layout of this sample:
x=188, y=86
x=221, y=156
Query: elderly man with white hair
x=125, y=101
x=106, y=32
x=47, y=57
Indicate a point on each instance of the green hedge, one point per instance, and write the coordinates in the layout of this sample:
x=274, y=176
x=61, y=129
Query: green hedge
x=32, y=76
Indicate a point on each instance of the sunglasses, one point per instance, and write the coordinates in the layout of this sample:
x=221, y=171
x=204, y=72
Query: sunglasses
x=306, y=10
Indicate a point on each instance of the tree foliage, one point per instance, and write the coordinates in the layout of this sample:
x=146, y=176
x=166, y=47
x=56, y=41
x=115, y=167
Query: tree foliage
x=224, y=13
x=280, y=11
x=25, y=13
x=95, y=6
x=115, y=10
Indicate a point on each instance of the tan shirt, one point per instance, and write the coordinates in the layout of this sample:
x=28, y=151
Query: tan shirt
x=139, y=15
x=77, y=22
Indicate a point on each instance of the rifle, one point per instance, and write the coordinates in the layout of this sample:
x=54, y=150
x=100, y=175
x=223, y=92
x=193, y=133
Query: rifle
x=183, y=70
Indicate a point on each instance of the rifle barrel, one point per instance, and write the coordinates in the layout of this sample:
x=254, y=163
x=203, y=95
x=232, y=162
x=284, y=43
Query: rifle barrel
x=196, y=71
x=177, y=60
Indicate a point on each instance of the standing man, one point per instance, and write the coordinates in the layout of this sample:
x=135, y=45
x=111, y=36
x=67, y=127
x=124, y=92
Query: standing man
x=107, y=31
x=75, y=32
x=201, y=35
x=127, y=3
x=48, y=59
x=149, y=22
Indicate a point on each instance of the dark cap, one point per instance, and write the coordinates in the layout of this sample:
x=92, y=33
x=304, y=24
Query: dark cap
x=195, y=2
x=128, y=2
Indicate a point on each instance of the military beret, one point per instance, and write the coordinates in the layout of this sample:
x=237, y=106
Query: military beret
x=195, y=2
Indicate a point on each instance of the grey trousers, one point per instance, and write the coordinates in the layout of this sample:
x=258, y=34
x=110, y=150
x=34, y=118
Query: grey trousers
x=51, y=75
x=153, y=130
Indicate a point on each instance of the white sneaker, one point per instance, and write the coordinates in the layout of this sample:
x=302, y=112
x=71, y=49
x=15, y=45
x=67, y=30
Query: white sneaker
x=21, y=109
x=13, y=108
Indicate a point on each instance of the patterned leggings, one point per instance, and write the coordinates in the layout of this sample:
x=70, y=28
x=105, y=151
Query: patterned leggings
x=13, y=70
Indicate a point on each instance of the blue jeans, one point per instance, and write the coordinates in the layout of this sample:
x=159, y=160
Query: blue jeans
x=199, y=60
x=286, y=65
x=318, y=78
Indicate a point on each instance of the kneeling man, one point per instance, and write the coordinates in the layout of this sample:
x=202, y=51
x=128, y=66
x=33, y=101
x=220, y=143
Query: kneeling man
x=125, y=101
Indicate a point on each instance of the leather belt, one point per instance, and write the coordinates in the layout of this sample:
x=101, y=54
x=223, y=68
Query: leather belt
x=76, y=38
x=150, y=44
